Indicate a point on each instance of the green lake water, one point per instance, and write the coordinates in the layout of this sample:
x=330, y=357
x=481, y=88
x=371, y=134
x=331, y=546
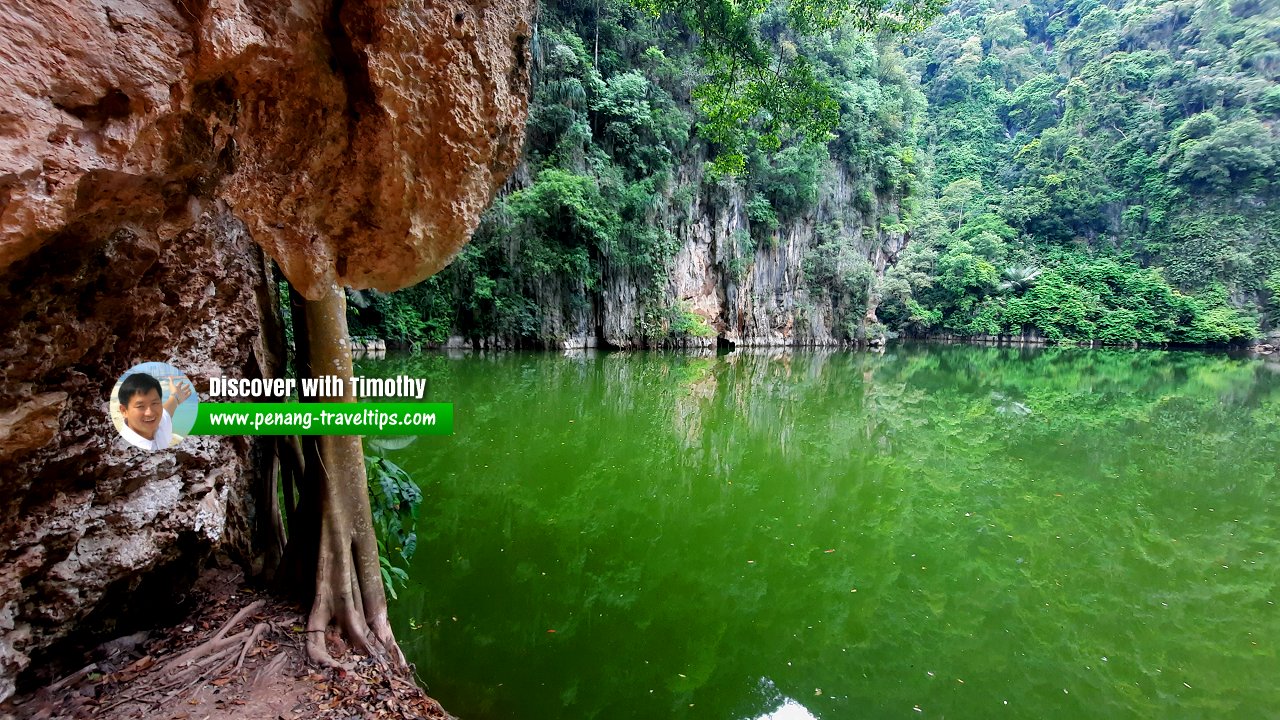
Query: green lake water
x=935, y=531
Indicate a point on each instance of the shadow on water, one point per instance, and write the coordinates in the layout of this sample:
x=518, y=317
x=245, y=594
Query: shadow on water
x=1072, y=533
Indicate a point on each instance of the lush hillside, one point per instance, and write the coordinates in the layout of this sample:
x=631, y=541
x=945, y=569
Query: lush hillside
x=1101, y=171
x=620, y=226
x=1077, y=170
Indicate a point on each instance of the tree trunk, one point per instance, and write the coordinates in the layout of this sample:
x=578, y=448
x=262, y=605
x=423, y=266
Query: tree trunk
x=348, y=579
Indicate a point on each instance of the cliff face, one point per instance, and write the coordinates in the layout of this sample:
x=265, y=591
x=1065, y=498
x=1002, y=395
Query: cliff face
x=85, y=515
x=147, y=148
x=761, y=293
x=746, y=286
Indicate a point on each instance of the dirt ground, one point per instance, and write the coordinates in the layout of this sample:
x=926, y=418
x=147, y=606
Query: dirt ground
x=239, y=655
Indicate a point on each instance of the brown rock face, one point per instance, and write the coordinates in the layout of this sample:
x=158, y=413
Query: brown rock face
x=377, y=175
x=145, y=146
x=359, y=141
x=85, y=516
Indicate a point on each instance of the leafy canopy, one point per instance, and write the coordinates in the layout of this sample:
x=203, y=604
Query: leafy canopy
x=752, y=79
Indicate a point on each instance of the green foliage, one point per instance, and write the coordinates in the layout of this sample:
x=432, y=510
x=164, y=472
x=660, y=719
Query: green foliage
x=285, y=309
x=790, y=180
x=395, y=500
x=963, y=272
x=1237, y=156
x=1131, y=144
x=839, y=267
x=1115, y=303
x=611, y=142
x=640, y=123
x=401, y=319
x=563, y=210
x=1220, y=324
x=762, y=216
x=1018, y=279
x=1268, y=103
x=1273, y=300
x=672, y=325
x=687, y=323
x=751, y=79
x=743, y=254
x=417, y=316
x=1098, y=142
x=1033, y=106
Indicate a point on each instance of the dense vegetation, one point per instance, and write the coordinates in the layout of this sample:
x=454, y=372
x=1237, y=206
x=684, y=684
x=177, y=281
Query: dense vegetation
x=1078, y=169
x=1102, y=171
x=622, y=121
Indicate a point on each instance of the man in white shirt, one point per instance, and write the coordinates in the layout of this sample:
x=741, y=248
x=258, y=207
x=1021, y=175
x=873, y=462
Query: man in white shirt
x=148, y=422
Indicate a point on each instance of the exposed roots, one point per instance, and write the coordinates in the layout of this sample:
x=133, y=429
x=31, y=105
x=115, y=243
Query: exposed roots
x=348, y=578
x=264, y=673
x=221, y=655
x=349, y=592
x=213, y=657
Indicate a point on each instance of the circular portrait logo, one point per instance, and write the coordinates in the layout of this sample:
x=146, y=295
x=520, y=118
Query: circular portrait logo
x=152, y=406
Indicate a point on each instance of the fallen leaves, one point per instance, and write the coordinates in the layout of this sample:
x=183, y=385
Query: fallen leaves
x=272, y=670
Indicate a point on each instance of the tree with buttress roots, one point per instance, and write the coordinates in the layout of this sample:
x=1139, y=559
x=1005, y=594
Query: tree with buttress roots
x=331, y=546
x=327, y=504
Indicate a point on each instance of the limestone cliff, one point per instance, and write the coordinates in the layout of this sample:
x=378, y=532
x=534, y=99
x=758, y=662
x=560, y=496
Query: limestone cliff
x=759, y=292
x=147, y=149
x=750, y=286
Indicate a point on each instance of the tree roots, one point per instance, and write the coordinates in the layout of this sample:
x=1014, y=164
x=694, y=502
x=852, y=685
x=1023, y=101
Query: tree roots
x=221, y=655
x=332, y=517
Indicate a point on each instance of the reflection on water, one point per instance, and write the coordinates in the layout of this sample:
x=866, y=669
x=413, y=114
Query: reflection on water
x=935, y=531
x=784, y=708
x=788, y=710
